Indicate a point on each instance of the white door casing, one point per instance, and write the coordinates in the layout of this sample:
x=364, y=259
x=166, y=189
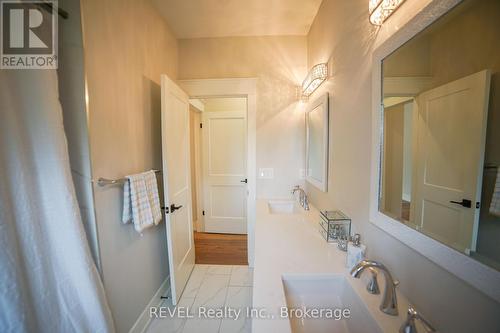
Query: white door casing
x=450, y=156
x=177, y=188
x=225, y=171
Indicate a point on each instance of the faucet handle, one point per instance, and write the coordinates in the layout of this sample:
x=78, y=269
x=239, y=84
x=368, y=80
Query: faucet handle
x=409, y=325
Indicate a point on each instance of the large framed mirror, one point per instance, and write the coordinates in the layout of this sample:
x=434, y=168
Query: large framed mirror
x=317, y=143
x=436, y=176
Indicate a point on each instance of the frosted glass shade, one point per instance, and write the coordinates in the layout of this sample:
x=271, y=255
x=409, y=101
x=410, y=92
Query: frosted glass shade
x=380, y=10
x=314, y=79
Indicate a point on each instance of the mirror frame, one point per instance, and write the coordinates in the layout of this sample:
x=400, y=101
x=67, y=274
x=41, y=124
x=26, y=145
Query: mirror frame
x=323, y=103
x=477, y=274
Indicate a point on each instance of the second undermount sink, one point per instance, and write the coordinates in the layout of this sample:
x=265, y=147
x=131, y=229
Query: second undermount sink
x=283, y=207
x=327, y=292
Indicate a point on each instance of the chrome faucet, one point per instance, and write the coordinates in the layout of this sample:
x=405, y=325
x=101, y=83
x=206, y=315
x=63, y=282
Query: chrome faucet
x=409, y=325
x=304, y=202
x=389, y=303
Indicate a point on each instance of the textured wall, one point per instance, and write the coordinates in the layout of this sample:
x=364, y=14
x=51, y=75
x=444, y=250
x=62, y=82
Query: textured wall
x=127, y=47
x=280, y=64
x=341, y=31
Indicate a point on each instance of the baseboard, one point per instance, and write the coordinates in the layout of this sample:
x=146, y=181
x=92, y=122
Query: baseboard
x=144, y=319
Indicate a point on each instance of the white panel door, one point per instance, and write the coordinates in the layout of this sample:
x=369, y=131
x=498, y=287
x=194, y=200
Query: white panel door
x=450, y=157
x=177, y=189
x=225, y=171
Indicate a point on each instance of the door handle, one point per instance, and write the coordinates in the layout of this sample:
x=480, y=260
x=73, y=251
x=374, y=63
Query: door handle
x=244, y=181
x=464, y=203
x=173, y=208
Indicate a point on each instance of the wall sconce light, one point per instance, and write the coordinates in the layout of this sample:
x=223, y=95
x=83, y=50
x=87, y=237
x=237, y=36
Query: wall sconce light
x=380, y=10
x=316, y=76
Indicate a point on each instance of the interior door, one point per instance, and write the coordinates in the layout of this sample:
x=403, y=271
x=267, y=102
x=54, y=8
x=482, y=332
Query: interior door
x=176, y=180
x=225, y=171
x=451, y=143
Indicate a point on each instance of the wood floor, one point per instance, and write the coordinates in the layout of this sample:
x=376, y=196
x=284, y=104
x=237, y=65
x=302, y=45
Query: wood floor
x=221, y=249
x=405, y=211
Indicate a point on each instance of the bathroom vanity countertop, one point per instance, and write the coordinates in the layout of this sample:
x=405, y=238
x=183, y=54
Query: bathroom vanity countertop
x=291, y=244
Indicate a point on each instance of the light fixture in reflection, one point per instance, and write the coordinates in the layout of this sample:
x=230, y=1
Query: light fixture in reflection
x=380, y=10
x=316, y=76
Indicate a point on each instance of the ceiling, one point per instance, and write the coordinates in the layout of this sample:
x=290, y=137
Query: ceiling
x=224, y=18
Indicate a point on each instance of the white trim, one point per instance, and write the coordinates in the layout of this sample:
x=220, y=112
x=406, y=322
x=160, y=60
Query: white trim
x=197, y=104
x=323, y=102
x=247, y=87
x=142, y=323
x=478, y=275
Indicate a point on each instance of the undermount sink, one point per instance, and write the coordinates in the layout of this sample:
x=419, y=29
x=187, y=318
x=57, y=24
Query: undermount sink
x=283, y=207
x=327, y=292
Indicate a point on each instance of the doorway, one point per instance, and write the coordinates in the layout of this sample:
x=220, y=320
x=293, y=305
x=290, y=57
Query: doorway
x=219, y=179
x=236, y=87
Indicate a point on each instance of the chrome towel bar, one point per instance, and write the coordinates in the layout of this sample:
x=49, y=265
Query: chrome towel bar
x=104, y=181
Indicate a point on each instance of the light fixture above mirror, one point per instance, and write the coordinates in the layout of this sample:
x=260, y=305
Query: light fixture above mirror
x=380, y=10
x=316, y=76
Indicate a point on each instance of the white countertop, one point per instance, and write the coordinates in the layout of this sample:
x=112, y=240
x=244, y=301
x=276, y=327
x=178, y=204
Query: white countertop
x=292, y=244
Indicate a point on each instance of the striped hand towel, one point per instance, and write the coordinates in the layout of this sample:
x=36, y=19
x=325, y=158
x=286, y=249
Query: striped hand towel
x=495, y=200
x=141, y=203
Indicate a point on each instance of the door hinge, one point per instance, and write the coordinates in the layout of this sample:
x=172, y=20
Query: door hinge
x=203, y=212
x=201, y=125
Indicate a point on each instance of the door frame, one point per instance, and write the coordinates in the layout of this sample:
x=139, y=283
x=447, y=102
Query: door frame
x=245, y=87
x=198, y=107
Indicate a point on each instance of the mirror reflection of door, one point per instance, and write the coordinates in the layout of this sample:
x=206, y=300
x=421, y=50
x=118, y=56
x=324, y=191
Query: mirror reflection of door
x=433, y=160
x=450, y=154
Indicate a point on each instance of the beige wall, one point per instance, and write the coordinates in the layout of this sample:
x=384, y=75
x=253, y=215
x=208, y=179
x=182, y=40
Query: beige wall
x=280, y=63
x=225, y=104
x=127, y=47
x=392, y=179
x=341, y=31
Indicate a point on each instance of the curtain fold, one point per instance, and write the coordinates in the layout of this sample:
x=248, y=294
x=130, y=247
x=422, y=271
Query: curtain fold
x=48, y=280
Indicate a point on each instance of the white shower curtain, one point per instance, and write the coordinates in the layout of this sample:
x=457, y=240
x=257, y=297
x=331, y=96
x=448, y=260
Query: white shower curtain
x=48, y=281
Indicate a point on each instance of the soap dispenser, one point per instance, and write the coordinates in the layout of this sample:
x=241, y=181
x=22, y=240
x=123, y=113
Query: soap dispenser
x=355, y=251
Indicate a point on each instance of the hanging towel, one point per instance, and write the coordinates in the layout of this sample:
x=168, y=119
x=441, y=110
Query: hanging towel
x=141, y=203
x=495, y=200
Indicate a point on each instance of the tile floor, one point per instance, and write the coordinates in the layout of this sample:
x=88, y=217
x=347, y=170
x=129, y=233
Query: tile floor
x=211, y=287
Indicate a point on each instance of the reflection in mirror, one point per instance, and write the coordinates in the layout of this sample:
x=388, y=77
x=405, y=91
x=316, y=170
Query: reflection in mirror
x=441, y=142
x=317, y=143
